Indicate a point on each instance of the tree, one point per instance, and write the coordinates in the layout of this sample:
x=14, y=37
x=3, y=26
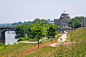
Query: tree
x=76, y=24
x=38, y=32
x=51, y=31
x=29, y=34
x=20, y=31
x=43, y=23
x=71, y=22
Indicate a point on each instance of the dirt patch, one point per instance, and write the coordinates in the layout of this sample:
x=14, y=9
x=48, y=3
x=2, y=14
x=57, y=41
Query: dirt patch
x=65, y=43
x=34, y=49
x=68, y=43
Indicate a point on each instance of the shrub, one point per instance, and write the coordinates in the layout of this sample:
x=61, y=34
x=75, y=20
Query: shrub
x=2, y=44
x=21, y=39
x=27, y=38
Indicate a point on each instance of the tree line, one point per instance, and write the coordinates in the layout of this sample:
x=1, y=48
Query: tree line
x=75, y=22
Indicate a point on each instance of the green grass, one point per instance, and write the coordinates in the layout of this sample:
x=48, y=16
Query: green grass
x=78, y=34
x=55, y=39
x=49, y=40
x=68, y=38
x=14, y=49
x=32, y=40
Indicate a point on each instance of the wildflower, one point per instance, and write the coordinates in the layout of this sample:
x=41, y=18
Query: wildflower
x=67, y=47
x=65, y=54
x=81, y=41
x=80, y=55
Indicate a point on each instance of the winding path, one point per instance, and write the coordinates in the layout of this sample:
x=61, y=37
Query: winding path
x=64, y=37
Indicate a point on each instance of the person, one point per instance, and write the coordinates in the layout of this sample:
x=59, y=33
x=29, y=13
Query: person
x=60, y=38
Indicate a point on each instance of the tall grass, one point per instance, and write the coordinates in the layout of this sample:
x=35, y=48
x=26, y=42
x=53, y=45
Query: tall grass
x=76, y=50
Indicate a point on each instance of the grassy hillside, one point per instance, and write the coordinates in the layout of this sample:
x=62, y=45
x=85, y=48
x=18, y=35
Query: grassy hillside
x=75, y=50
x=78, y=35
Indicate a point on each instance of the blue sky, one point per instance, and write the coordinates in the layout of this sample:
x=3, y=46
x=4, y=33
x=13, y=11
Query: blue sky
x=28, y=10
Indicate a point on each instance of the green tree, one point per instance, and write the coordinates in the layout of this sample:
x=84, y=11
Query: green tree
x=29, y=34
x=51, y=31
x=70, y=22
x=38, y=32
x=76, y=24
x=43, y=23
x=39, y=20
x=20, y=31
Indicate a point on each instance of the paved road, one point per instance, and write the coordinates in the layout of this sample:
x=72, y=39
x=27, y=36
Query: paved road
x=26, y=42
x=64, y=37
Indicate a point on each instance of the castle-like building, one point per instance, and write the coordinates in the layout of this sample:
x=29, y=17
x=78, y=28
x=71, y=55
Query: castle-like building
x=63, y=19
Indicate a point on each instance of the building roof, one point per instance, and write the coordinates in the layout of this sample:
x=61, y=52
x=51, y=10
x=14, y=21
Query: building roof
x=56, y=19
x=65, y=12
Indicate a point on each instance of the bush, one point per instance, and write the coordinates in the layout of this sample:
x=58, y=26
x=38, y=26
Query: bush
x=2, y=44
x=32, y=40
x=21, y=39
x=27, y=38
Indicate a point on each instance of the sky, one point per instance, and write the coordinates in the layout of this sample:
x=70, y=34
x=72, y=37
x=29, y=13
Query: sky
x=27, y=10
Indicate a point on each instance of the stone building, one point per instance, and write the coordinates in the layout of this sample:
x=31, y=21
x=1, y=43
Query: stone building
x=56, y=21
x=65, y=16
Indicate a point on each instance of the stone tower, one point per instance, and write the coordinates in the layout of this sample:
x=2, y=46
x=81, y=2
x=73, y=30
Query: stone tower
x=64, y=18
x=61, y=21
